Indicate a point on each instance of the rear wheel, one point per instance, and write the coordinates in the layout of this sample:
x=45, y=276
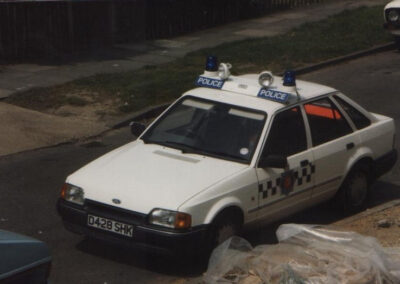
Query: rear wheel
x=354, y=192
x=397, y=42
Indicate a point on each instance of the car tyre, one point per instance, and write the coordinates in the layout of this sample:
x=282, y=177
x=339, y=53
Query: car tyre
x=354, y=191
x=225, y=226
x=397, y=42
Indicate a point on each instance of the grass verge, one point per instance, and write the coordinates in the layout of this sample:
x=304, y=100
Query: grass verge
x=338, y=35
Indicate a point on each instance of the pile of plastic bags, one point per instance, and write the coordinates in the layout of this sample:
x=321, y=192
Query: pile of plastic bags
x=305, y=254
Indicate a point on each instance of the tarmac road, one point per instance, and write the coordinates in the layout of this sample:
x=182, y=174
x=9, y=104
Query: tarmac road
x=30, y=183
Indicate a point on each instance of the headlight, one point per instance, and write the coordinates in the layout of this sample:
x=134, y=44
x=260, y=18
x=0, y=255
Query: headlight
x=393, y=16
x=73, y=193
x=170, y=219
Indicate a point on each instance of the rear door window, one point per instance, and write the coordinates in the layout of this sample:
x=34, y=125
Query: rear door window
x=359, y=120
x=326, y=121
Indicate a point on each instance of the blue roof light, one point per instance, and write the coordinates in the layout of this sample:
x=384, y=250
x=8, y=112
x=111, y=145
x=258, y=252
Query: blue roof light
x=289, y=78
x=212, y=63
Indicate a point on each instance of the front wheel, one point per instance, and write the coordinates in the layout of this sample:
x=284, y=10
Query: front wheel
x=225, y=226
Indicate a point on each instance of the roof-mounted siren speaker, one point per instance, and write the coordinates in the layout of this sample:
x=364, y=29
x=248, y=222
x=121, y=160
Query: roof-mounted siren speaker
x=211, y=66
x=266, y=79
x=224, y=70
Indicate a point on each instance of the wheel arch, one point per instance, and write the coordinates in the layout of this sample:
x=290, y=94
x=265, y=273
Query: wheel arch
x=225, y=206
x=343, y=200
x=362, y=157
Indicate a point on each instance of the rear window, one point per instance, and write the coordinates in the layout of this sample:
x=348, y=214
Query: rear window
x=360, y=120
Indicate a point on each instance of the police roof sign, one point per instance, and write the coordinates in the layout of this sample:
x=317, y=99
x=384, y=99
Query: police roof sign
x=273, y=95
x=209, y=82
x=265, y=93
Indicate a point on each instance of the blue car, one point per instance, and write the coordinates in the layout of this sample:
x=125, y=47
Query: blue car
x=23, y=259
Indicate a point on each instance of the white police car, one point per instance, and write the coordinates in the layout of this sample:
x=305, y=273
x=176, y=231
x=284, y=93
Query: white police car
x=392, y=19
x=235, y=152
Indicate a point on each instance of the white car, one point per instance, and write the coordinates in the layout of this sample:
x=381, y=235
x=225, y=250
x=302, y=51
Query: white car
x=236, y=152
x=392, y=19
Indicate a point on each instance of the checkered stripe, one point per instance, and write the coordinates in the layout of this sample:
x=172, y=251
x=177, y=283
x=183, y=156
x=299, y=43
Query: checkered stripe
x=301, y=176
x=270, y=188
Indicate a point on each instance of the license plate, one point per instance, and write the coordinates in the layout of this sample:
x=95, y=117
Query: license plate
x=110, y=225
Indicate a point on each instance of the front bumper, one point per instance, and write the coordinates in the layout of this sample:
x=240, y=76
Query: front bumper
x=145, y=237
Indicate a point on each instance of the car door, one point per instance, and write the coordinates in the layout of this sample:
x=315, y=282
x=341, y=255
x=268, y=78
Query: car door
x=283, y=191
x=333, y=143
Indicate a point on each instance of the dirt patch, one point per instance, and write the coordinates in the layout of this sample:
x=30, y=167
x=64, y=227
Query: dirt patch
x=27, y=129
x=383, y=225
x=88, y=107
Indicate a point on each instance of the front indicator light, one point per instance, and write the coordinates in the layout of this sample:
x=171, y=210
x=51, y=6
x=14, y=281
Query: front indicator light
x=183, y=221
x=170, y=219
x=72, y=193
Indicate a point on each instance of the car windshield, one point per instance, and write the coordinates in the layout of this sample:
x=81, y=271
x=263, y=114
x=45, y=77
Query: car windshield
x=209, y=128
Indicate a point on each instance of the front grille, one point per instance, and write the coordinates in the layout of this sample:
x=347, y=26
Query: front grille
x=114, y=213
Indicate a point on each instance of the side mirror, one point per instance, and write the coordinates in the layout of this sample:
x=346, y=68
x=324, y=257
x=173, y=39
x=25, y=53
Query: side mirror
x=137, y=128
x=273, y=161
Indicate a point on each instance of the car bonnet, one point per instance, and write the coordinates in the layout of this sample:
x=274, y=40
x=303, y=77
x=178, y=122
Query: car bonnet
x=147, y=176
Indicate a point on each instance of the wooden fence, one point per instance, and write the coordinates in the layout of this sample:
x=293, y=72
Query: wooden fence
x=37, y=28
x=167, y=18
x=30, y=28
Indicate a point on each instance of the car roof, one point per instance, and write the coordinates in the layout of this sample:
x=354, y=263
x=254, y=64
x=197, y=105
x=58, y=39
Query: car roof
x=243, y=91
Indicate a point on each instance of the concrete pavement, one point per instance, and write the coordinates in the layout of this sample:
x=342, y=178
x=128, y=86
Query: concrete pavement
x=24, y=129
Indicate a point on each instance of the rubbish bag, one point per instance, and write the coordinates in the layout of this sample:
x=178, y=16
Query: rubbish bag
x=305, y=254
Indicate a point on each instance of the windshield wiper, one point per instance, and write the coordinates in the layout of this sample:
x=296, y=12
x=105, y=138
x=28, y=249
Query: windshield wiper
x=226, y=155
x=186, y=149
x=146, y=141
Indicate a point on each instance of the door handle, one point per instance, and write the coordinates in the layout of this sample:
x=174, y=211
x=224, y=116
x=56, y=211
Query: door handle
x=350, y=146
x=304, y=163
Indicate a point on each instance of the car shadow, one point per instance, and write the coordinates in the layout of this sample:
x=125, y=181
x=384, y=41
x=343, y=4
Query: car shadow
x=322, y=214
x=140, y=259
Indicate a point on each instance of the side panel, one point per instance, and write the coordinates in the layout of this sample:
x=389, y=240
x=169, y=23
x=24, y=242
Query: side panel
x=331, y=161
x=379, y=136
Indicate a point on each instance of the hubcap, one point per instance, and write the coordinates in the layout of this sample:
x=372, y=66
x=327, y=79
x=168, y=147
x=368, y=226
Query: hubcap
x=224, y=233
